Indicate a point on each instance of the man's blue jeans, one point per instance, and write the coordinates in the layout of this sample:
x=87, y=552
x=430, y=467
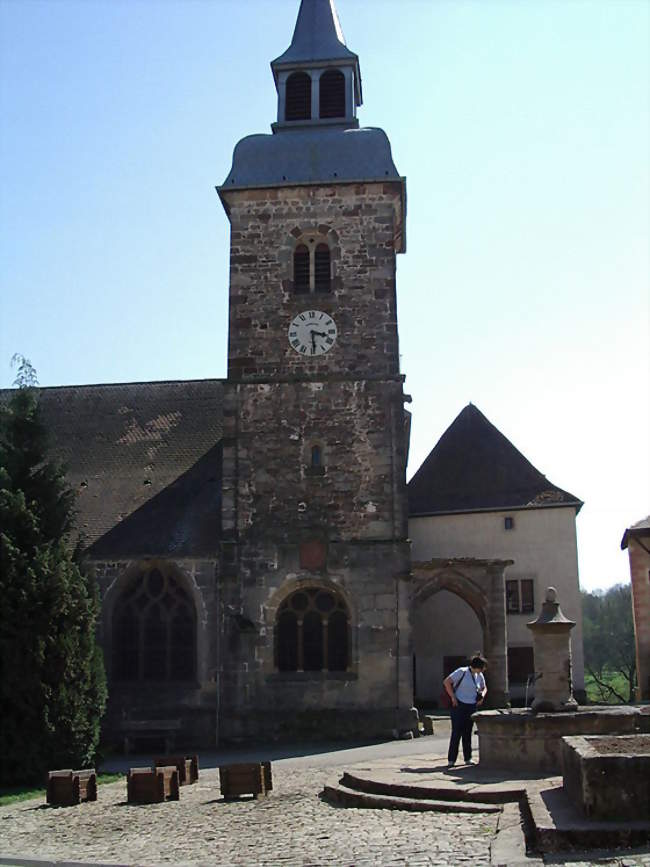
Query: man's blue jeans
x=461, y=729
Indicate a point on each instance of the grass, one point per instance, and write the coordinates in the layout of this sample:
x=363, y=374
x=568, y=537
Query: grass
x=612, y=678
x=14, y=794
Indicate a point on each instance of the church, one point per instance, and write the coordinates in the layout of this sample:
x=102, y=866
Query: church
x=264, y=568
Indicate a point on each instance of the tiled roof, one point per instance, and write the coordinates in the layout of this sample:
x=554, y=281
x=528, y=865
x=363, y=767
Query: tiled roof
x=641, y=528
x=145, y=461
x=474, y=467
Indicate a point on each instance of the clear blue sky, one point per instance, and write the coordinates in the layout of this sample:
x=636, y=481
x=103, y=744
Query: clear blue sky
x=522, y=128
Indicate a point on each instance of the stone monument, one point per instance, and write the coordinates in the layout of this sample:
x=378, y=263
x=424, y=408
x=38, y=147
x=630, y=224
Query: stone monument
x=552, y=649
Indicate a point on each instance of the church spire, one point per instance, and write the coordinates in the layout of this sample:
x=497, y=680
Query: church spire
x=317, y=78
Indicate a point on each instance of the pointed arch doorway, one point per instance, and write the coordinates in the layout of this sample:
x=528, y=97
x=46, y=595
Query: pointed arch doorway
x=458, y=607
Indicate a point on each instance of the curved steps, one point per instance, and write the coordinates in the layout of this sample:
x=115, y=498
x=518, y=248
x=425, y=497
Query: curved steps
x=357, y=792
x=444, y=793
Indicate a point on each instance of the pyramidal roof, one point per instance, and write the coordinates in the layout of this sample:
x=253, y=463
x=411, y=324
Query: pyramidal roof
x=317, y=36
x=474, y=467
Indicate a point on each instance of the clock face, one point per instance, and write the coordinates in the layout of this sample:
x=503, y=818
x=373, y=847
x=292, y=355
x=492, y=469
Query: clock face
x=312, y=333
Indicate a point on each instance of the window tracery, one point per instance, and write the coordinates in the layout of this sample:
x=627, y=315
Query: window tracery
x=312, y=632
x=154, y=630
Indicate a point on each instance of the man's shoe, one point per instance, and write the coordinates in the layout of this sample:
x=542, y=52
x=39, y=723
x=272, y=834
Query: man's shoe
x=451, y=765
x=470, y=762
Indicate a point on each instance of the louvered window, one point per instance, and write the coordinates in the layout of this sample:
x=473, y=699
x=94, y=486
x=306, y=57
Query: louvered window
x=311, y=632
x=298, y=97
x=301, y=270
x=332, y=94
x=322, y=268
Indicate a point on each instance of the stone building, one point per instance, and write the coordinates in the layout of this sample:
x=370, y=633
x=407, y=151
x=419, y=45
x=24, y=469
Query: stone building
x=637, y=541
x=250, y=536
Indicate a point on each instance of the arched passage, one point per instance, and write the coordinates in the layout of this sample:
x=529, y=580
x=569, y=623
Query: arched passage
x=445, y=631
x=467, y=615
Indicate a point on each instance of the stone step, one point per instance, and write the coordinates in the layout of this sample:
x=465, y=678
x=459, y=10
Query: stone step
x=349, y=798
x=486, y=795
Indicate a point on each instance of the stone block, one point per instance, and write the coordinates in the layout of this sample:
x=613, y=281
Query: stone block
x=608, y=777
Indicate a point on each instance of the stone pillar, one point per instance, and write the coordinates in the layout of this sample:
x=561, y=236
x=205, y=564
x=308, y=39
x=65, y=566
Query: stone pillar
x=496, y=639
x=552, y=648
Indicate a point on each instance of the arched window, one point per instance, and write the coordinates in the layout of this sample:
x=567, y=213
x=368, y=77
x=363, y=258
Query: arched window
x=322, y=273
x=301, y=270
x=311, y=632
x=316, y=457
x=332, y=94
x=298, y=97
x=312, y=266
x=154, y=630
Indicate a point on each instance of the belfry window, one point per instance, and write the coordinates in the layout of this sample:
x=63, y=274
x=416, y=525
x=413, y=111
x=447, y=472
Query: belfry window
x=301, y=267
x=312, y=267
x=331, y=94
x=298, y=97
x=311, y=632
x=154, y=630
x=322, y=268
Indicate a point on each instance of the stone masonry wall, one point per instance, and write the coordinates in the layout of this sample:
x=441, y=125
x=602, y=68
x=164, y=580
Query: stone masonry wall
x=640, y=574
x=353, y=506
x=359, y=222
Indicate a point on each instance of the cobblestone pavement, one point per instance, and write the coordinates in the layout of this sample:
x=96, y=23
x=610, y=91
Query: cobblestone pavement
x=290, y=827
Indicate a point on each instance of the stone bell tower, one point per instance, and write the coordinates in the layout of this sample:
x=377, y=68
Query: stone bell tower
x=315, y=635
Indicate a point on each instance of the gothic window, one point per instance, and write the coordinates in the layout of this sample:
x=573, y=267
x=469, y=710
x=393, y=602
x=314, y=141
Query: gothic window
x=312, y=267
x=154, y=630
x=298, y=97
x=332, y=94
x=301, y=270
x=312, y=632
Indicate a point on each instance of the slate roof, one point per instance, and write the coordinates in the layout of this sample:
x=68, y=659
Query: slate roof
x=311, y=156
x=640, y=529
x=317, y=36
x=474, y=468
x=145, y=461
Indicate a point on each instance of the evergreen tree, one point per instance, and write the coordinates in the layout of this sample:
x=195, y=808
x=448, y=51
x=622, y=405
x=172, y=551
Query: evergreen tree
x=53, y=688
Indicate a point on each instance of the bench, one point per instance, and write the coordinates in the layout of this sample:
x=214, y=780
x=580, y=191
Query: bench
x=152, y=785
x=248, y=778
x=67, y=787
x=188, y=767
x=144, y=729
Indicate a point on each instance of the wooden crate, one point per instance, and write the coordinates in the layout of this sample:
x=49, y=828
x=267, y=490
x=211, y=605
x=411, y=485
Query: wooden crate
x=152, y=785
x=248, y=778
x=268, y=777
x=67, y=787
x=188, y=767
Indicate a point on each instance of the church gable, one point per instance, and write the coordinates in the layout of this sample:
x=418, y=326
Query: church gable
x=145, y=462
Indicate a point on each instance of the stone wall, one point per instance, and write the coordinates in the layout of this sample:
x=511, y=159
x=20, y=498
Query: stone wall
x=640, y=574
x=360, y=223
x=340, y=525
